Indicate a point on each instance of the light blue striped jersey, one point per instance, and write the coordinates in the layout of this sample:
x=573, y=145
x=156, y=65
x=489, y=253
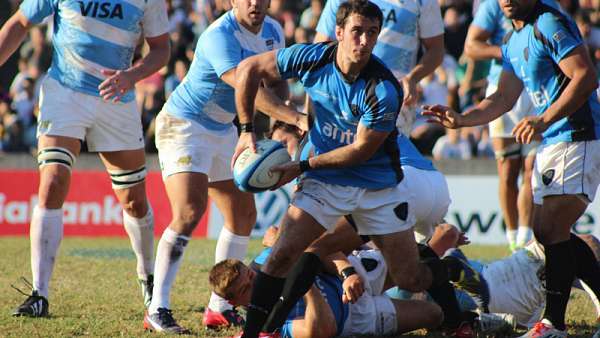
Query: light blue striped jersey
x=404, y=23
x=90, y=36
x=490, y=18
x=202, y=96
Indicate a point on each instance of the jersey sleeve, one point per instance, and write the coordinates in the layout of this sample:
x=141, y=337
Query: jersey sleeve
x=485, y=17
x=430, y=20
x=36, y=10
x=286, y=329
x=382, y=107
x=326, y=25
x=221, y=50
x=557, y=35
x=506, y=65
x=155, y=21
x=297, y=60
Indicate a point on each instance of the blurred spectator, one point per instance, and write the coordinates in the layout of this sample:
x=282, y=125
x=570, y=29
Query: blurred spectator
x=173, y=80
x=37, y=50
x=24, y=102
x=286, y=19
x=484, y=146
x=452, y=146
x=455, y=33
x=310, y=16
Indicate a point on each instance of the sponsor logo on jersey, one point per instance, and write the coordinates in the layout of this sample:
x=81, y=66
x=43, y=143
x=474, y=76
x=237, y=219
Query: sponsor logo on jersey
x=334, y=132
x=97, y=9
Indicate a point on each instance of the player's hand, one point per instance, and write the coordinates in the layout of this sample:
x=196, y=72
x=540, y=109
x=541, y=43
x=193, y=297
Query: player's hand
x=353, y=288
x=246, y=140
x=270, y=236
x=442, y=115
x=289, y=171
x=409, y=87
x=529, y=129
x=462, y=239
x=116, y=84
x=302, y=122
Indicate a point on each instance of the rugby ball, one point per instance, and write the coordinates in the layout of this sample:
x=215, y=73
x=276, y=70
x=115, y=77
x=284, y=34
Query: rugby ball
x=252, y=171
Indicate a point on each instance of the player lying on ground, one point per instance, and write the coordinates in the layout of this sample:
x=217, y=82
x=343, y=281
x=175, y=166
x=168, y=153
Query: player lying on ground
x=322, y=312
x=515, y=283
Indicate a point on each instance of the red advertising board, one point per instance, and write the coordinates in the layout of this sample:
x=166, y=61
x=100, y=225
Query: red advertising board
x=91, y=208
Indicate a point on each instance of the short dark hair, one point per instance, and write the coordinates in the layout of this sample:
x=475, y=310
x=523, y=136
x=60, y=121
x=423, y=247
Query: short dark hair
x=361, y=7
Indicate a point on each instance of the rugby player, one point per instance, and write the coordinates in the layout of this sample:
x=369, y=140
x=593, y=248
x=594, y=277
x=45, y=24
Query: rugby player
x=88, y=96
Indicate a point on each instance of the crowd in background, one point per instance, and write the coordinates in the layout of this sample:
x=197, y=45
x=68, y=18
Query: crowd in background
x=459, y=82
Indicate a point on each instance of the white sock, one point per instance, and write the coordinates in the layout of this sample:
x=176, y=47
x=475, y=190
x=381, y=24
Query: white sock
x=229, y=245
x=45, y=235
x=524, y=234
x=141, y=235
x=169, y=255
x=511, y=236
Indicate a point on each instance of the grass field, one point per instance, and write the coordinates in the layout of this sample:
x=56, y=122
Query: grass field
x=94, y=292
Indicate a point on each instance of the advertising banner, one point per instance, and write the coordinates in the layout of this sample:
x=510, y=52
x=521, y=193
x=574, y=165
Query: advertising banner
x=91, y=208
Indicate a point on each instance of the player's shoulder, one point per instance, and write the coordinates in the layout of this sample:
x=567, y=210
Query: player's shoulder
x=224, y=25
x=376, y=72
x=322, y=52
x=547, y=17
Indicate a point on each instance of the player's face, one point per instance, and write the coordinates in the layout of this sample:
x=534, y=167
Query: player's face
x=251, y=13
x=516, y=9
x=358, y=37
x=243, y=287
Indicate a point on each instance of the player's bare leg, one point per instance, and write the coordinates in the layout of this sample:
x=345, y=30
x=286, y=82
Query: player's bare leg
x=239, y=215
x=127, y=170
x=188, y=195
x=509, y=167
x=56, y=157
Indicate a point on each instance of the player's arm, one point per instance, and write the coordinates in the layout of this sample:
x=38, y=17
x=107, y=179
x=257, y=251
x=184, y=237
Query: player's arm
x=118, y=82
x=270, y=100
x=318, y=321
x=490, y=108
x=12, y=34
x=431, y=59
x=477, y=46
x=249, y=74
x=578, y=67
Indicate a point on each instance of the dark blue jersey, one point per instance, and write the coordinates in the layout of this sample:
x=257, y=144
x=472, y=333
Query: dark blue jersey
x=533, y=53
x=329, y=286
x=374, y=100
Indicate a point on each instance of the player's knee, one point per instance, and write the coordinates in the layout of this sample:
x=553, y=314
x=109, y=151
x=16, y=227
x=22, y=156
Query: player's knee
x=136, y=207
x=56, y=156
x=281, y=260
x=410, y=281
x=435, y=316
x=125, y=179
x=187, y=217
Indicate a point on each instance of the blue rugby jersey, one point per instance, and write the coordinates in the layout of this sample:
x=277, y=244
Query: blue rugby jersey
x=374, y=99
x=202, y=96
x=93, y=35
x=490, y=18
x=533, y=53
x=405, y=22
x=329, y=286
x=410, y=155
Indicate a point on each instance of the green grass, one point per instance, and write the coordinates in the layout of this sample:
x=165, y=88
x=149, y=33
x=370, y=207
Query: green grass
x=94, y=292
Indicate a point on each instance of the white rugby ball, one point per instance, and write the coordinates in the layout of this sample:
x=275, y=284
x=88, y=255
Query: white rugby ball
x=252, y=171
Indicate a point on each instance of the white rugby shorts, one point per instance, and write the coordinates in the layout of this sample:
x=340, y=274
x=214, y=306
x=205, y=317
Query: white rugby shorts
x=502, y=127
x=186, y=146
x=104, y=125
x=566, y=168
x=373, y=313
x=429, y=199
x=375, y=212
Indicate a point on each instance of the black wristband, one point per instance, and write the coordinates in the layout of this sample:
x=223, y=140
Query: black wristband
x=247, y=127
x=304, y=166
x=347, y=272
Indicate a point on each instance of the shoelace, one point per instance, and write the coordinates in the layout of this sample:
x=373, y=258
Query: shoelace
x=27, y=283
